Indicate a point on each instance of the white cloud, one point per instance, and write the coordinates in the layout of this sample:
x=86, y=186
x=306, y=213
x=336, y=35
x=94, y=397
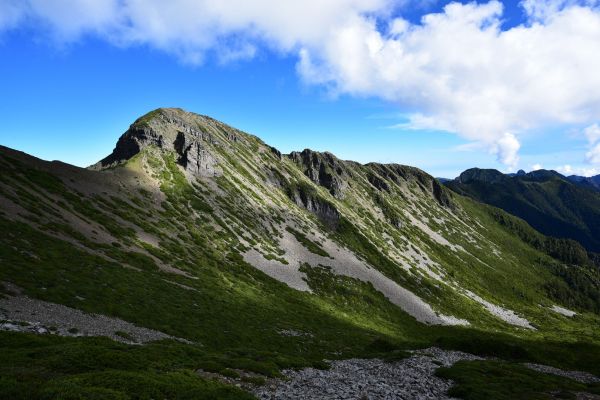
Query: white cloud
x=190, y=28
x=457, y=69
x=542, y=10
x=507, y=148
x=565, y=169
x=593, y=155
x=581, y=171
x=592, y=134
x=465, y=75
x=536, y=167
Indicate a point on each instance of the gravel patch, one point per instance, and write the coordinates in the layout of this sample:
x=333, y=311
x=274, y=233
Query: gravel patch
x=506, y=315
x=374, y=379
x=563, y=311
x=579, y=376
x=344, y=262
x=23, y=314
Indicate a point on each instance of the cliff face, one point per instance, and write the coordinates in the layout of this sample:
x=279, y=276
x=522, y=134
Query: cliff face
x=190, y=136
x=324, y=169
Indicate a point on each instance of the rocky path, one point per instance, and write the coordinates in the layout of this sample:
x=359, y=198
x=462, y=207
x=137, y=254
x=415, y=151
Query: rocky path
x=374, y=379
x=411, y=378
x=20, y=313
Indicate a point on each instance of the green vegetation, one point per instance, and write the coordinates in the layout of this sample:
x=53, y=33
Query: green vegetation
x=498, y=380
x=547, y=201
x=150, y=244
x=51, y=367
x=579, y=285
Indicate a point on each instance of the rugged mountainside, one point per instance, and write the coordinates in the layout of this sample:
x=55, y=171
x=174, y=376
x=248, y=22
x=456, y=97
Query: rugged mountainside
x=592, y=182
x=250, y=259
x=548, y=201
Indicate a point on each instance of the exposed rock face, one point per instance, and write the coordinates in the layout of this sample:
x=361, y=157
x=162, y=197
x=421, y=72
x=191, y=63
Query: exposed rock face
x=194, y=155
x=380, y=173
x=378, y=183
x=189, y=135
x=324, y=169
x=310, y=200
x=276, y=152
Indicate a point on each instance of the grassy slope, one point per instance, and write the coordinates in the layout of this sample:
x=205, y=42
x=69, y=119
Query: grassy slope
x=552, y=205
x=235, y=313
x=498, y=380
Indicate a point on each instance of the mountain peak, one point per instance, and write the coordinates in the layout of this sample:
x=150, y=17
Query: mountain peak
x=324, y=169
x=483, y=175
x=192, y=137
x=543, y=175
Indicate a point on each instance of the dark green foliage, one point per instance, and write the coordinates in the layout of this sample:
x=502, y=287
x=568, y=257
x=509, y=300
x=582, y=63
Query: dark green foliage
x=229, y=373
x=565, y=250
x=497, y=380
x=237, y=321
x=50, y=367
x=546, y=200
x=571, y=356
x=579, y=286
x=124, y=335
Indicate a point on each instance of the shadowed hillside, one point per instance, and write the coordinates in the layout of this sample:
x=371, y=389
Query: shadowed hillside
x=548, y=201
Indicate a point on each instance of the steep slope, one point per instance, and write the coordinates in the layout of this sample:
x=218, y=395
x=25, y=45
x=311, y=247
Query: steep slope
x=592, y=182
x=256, y=260
x=547, y=200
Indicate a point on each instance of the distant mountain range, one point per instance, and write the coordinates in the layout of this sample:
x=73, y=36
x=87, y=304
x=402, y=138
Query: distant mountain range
x=592, y=182
x=556, y=205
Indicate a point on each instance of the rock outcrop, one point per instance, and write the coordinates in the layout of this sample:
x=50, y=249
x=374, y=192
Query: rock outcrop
x=380, y=175
x=324, y=169
x=308, y=198
x=190, y=136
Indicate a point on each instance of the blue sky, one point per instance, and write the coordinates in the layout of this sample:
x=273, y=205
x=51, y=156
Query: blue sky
x=68, y=94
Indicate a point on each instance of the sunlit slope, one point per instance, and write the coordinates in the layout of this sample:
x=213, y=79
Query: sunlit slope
x=201, y=231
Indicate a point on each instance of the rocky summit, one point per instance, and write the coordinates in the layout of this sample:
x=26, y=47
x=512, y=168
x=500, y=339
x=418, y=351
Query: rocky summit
x=197, y=261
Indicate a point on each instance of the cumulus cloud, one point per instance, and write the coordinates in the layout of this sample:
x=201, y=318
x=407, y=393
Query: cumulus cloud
x=507, y=148
x=581, y=171
x=536, y=167
x=191, y=28
x=542, y=10
x=466, y=75
x=593, y=155
x=592, y=134
x=457, y=70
